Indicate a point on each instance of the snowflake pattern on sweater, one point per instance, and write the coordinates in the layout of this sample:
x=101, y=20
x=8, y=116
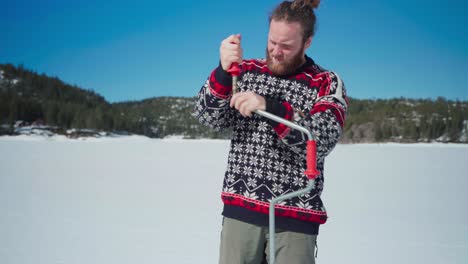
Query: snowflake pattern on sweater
x=267, y=159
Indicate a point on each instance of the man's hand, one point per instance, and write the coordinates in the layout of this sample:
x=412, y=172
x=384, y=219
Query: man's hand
x=230, y=51
x=247, y=102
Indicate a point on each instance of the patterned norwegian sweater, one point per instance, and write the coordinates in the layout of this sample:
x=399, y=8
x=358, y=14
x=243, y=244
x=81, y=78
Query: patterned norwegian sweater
x=267, y=159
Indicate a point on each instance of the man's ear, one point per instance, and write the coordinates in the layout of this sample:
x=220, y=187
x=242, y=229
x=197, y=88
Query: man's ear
x=308, y=42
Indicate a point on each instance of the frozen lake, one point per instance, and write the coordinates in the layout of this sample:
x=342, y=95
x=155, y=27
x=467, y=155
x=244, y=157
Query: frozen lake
x=139, y=200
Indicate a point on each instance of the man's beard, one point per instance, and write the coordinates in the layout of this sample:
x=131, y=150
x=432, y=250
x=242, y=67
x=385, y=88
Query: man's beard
x=288, y=66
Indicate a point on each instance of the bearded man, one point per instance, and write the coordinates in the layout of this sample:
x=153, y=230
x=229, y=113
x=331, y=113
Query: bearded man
x=267, y=159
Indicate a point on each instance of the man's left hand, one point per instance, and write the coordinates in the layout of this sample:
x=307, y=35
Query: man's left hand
x=247, y=102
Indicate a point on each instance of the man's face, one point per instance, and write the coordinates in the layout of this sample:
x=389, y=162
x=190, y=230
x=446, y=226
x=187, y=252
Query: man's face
x=285, y=49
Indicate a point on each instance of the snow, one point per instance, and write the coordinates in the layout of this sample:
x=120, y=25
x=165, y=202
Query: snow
x=464, y=133
x=2, y=77
x=34, y=130
x=139, y=200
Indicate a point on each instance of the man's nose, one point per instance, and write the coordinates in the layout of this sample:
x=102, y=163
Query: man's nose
x=276, y=51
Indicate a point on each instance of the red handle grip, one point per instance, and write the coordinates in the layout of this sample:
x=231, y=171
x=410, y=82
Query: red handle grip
x=234, y=70
x=311, y=160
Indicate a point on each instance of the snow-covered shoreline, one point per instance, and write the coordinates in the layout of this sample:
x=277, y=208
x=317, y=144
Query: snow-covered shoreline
x=57, y=137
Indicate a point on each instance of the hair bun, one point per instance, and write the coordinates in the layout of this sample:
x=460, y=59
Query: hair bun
x=314, y=3
x=302, y=3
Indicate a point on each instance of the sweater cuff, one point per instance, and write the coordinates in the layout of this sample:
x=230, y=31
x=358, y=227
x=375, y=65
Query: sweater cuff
x=276, y=108
x=223, y=77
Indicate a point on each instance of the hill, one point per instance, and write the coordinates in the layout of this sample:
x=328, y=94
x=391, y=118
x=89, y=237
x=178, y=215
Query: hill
x=29, y=98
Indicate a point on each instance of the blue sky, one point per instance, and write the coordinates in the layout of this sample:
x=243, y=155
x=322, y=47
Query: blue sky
x=132, y=50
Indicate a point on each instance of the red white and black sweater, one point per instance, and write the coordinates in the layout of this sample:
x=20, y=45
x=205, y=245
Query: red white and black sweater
x=267, y=159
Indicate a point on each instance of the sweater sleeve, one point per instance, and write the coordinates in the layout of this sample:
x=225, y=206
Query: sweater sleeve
x=212, y=104
x=325, y=120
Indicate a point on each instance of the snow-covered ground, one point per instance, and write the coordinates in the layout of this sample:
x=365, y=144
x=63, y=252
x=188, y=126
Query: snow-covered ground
x=139, y=200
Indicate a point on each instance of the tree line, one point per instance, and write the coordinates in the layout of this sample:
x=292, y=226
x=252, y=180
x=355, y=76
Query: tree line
x=407, y=120
x=31, y=97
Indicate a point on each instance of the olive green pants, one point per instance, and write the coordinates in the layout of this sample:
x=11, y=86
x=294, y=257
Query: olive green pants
x=243, y=243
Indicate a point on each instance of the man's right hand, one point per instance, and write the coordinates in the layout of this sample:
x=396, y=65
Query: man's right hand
x=230, y=51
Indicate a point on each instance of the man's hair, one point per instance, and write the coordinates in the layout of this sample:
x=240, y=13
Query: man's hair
x=301, y=11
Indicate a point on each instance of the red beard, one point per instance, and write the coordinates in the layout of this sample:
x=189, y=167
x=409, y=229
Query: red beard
x=288, y=66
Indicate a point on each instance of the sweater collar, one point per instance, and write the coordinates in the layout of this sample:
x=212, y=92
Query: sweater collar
x=308, y=62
